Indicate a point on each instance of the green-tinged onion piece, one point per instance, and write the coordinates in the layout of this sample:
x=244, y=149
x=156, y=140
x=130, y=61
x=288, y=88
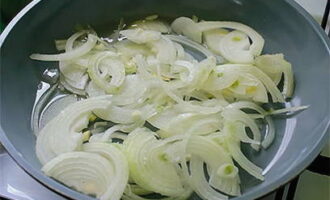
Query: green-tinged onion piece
x=257, y=40
x=235, y=47
x=148, y=165
x=233, y=145
x=256, y=74
x=218, y=160
x=213, y=37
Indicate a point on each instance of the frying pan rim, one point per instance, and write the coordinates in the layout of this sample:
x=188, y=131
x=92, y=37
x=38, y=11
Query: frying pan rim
x=70, y=193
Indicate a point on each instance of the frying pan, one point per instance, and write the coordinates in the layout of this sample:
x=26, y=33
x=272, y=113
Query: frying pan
x=286, y=27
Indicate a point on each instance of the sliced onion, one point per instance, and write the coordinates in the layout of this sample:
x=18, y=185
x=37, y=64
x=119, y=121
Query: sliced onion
x=74, y=75
x=63, y=133
x=154, y=25
x=175, y=122
x=268, y=83
x=216, y=157
x=75, y=53
x=237, y=115
x=270, y=134
x=120, y=167
x=69, y=86
x=125, y=115
x=257, y=40
x=187, y=27
x=234, y=48
x=234, y=149
x=148, y=168
x=141, y=36
x=165, y=49
x=86, y=172
x=212, y=39
x=274, y=65
x=60, y=45
x=93, y=90
x=194, y=46
x=70, y=42
x=199, y=182
x=107, y=71
x=132, y=91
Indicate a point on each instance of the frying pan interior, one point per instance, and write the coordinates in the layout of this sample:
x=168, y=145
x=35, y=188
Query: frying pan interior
x=284, y=25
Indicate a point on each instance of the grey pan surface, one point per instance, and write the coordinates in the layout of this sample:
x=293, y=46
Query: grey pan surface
x=286, y=27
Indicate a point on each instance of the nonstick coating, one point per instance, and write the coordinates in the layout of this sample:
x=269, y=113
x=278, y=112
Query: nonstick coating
x=286, y=27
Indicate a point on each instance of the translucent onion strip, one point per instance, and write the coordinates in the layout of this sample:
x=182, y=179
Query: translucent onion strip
x=86, y=172
x=120, y=166
x=63, y=133
x=257, y=40
x=75, y=53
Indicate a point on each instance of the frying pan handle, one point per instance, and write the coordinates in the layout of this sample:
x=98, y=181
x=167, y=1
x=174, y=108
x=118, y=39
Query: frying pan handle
x=320, y=165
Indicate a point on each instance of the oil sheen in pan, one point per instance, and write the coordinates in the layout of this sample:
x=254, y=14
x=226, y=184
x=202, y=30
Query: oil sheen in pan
x=50, y=100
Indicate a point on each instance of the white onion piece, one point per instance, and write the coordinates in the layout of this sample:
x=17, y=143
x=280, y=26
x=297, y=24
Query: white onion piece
x=176, y=122
x=148, y=168
x=93, y=90
x=195, y=74
x=141, y=36
x=69, y=87
x=180, y=53
x=154, y=25
x=257, y=40
x=234, y=149
x=238, y=85
x=274, y=65
x=86, y=172
x=215, y=156
x=270, y=135
x=125, y=115
x=128, y=49
x=60, y=45
x=120, y=167
x=187, y=27
x=104, y=137
x=199, y=182
x=165, y=50
x=254, y=71
x=132, y=91
x=237, y=115
x=226, y=179
x=75, y=53
x=70, y=42
x=233, y=48
x=74, y=74
x=63, y=133
x=212, y=39
x=249, y=105
x=107, y=71
x=194, y=46
x=249, y=87
x=288, y=111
